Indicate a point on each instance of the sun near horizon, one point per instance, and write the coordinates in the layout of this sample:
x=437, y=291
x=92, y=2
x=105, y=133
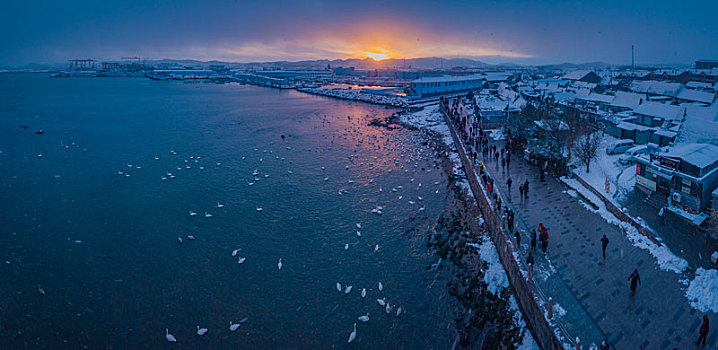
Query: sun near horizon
x=377, y=55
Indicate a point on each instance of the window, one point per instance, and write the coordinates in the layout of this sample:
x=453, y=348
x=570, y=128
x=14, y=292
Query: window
x=686, y=190
x=686, y=182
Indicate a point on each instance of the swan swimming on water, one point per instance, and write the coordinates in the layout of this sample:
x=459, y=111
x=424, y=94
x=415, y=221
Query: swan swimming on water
x=207, y=215
x=234, y=252
x=363, y=292
x=353, y=334
x=364, y=318
x=201, y=331
x=381, y=301
x=191, y=213
x=381, y=287
x=220, y=205
x=233, y=326
x=347, y=289
x=170, y=338
x=279, y=264
x=241, y=260
x=339, y=287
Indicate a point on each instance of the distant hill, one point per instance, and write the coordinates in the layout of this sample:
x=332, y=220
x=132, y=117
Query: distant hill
x=569, y=66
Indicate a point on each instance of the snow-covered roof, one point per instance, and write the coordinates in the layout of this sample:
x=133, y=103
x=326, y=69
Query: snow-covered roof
x=696, y=95
x=655, y=87
x=447, y=78
x=575, y=75
x=594, y=97
x=701, y=124
x=698, y=154
x=660, y=110
x=627, y=99
x=549, y=126
x=699, y=85
x=633, y=126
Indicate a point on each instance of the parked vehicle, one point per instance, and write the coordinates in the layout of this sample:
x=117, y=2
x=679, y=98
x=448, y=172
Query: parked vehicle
x=628, y=157
x=619, y=146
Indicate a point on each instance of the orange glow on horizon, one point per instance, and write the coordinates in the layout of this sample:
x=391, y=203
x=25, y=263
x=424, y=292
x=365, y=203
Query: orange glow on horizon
x=377, y=55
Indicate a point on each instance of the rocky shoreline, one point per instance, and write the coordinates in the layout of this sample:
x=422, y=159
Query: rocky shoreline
x=483, y=319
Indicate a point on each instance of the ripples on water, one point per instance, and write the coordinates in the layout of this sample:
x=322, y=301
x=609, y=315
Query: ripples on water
x=104, y=246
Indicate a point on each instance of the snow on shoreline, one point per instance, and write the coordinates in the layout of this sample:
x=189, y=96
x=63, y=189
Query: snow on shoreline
x=701, y=292
x=358, y=95
x=497, y=280
x=666, y=260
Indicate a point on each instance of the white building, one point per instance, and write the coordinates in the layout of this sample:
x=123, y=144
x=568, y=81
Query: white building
x=446, y=84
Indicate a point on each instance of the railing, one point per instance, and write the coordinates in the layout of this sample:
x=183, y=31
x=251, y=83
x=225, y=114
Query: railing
x=527, y=294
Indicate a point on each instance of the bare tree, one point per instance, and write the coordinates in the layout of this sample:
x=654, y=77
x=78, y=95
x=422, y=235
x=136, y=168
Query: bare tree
x=586, y=148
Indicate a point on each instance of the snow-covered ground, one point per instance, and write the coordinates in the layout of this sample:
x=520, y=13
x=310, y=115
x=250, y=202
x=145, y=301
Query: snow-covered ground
x=664, y=257
x=621, y=178
x=702, y=291
x=358, y=95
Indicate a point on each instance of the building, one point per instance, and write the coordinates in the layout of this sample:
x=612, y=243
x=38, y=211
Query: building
x=448, y=84
x=686, y=176
x=706, y=64
x=583, y=76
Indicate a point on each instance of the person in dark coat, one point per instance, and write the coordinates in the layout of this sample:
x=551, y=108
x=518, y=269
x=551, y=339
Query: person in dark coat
x=635, y=281
x=517, y=236
x=510, y=218
x=508, y=184
x=604, y=345
x=604, y=244
x=533, y=239
x=703, y=331
x=521, y=191
x=530, y=259
x=526, y=188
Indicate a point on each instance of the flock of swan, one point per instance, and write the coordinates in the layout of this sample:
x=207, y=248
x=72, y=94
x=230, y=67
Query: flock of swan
x=411, y=155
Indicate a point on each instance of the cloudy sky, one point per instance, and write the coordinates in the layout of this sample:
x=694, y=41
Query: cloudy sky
x=534, y=32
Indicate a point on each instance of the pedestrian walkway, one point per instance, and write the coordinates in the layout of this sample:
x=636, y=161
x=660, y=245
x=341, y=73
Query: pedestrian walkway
x=657, y=317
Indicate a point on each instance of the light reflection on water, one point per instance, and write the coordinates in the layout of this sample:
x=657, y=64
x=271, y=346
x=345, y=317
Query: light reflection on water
x=126, y=278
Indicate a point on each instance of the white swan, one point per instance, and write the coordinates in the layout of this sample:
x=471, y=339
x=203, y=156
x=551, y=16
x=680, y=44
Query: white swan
x=381, y=287
x=398, y=311
x=259, y=209
x=346, y=246
x=191, y=213
x=241, y=260
x=376, y=248
x=190, y=237
x=170, y=338
x=220, y=205
x=363, y=292
x=234, y=252
x=358, y=225
x=179, y=240
x=233, y=326
x=347, y=289
x=279, y=264
x=201, y=331
x=339, y=287
x=364, y=318
x=359, y=233
x=207, y=215
x=353, y=334
x=381, y=301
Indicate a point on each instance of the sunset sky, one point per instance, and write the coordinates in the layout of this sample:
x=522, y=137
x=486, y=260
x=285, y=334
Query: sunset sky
x=533, y=32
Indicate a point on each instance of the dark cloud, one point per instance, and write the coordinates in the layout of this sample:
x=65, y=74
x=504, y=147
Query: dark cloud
x=525, y=31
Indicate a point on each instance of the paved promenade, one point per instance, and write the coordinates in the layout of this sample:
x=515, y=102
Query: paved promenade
x=596, y=294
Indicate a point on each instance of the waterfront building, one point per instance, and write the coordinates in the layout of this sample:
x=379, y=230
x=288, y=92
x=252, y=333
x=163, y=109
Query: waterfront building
x=448, y=84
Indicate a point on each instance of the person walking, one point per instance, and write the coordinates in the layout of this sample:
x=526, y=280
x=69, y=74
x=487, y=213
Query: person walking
x=508, y=183
x=604, y=345
x=635, y=281
x=662, y=215
x=604, y=244
x=530, y=259
x=517, y=236
x=521, y=191
x=533, y=239
x=703, y=331
x=510, y=218
x=526, y=188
